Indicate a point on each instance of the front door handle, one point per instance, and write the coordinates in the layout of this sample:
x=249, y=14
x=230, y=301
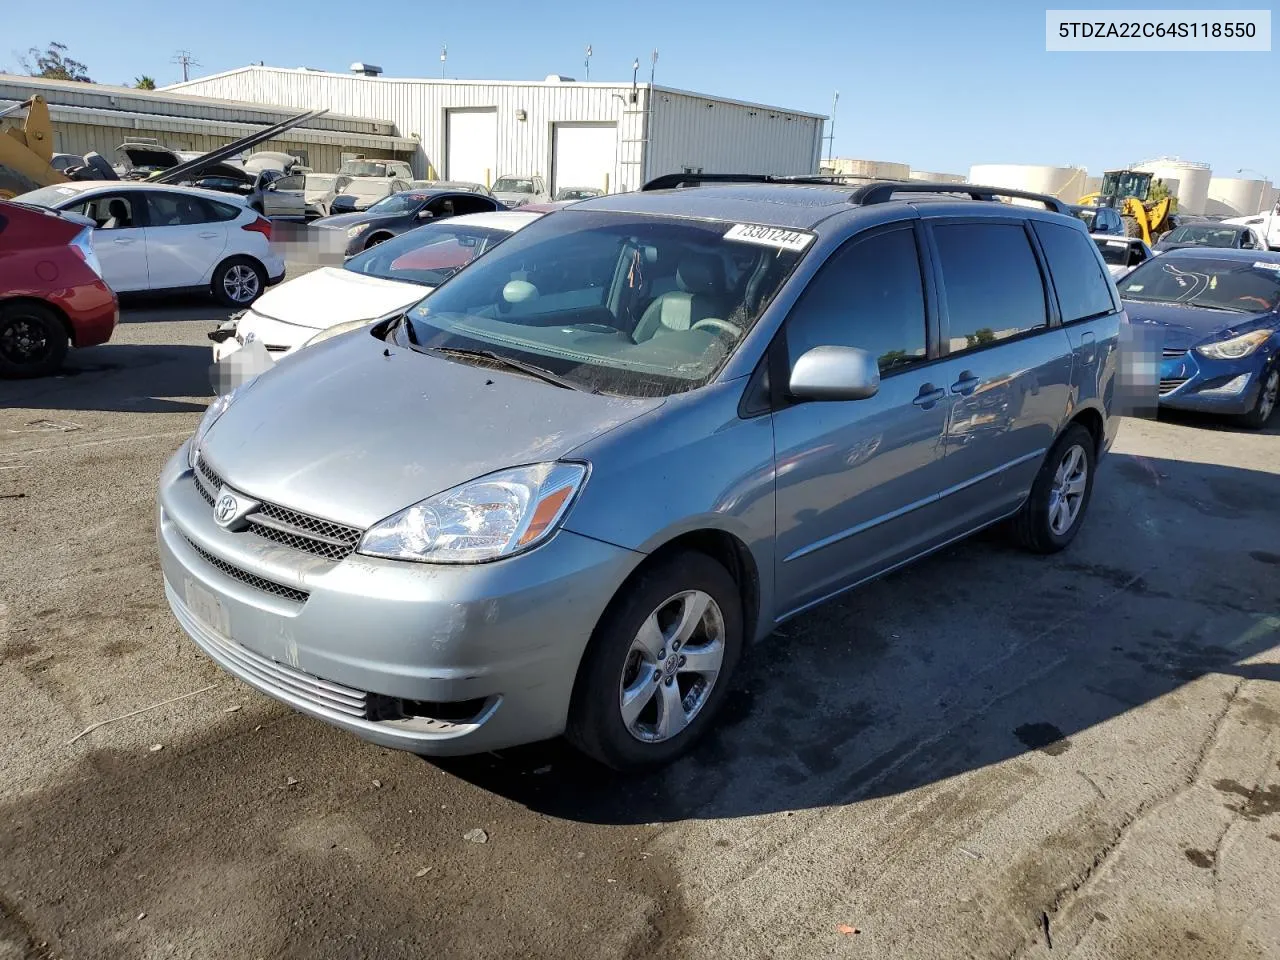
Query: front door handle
x=928, y=396
x=123, y=240
x=966, y=384
x=208, y=236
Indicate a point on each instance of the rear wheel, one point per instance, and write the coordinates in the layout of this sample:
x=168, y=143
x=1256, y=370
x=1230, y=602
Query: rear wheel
x=659, y=664
x=1054, y=511
x=33, y=342
x=238, y=282
x=1268, y=399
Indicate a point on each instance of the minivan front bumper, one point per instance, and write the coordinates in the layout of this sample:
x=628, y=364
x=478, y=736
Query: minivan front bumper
x=431, y=658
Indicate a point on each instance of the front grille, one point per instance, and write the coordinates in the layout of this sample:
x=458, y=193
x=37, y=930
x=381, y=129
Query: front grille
x=314, y=535
x=258, y=583
x=1172, y=384
x=287, y=680
x=1171, y=352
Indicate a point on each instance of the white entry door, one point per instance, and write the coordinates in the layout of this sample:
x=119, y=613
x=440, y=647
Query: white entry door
x=584, y=155
x=471, y=146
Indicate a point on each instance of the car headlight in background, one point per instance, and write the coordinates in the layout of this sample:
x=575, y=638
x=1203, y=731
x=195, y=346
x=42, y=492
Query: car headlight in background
x=211, y=414
x=1236, y=347
x=336, y=329
x=359, y=228
x=488, y=518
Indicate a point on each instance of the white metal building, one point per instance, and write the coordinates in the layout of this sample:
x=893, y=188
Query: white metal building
x=871, y=169
x=97, y=117
x=608, y=135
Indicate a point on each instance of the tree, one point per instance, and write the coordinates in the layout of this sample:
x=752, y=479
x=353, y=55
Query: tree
x=54, y=64
x=1158, y=191
x=144, y=83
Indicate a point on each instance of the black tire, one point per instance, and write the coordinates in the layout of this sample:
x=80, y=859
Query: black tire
x=1033, y=526
x=33, y=341
x=596, y=726
x=1132, y=228
x=376, y=239
x=231, y=285
x=1267, y=401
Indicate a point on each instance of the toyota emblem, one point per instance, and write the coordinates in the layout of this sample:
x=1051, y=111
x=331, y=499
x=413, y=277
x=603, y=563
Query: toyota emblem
x=226, y=509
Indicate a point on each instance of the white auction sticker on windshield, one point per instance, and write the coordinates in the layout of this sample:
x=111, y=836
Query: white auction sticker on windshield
x=1263, y=265
x=769, y=236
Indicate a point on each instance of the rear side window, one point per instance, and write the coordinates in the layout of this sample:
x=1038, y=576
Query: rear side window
x=1084, y=291
x=220, y=212
x=868, y=295
x=992, y=282
x=176, y=209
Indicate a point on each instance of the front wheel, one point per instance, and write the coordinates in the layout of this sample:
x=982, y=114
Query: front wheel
x=1265, y=405
x=1053, y=513
x=658, y=665
x=238, y=282
x=33, y=342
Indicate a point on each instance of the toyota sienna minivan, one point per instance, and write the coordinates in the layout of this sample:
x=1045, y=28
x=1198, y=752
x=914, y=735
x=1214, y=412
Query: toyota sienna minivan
x=562, y=493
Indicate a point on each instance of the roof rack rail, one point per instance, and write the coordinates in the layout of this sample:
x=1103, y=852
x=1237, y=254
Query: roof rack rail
x=672, y=181
x=888, y=190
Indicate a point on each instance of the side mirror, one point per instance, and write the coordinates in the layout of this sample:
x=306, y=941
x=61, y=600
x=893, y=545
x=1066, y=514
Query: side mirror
x=835, y=373
x=425, y=214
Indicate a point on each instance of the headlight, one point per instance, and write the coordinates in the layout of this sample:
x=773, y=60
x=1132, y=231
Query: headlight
x=359, y=228
x=488, y=518
x=336, y=329
x=211, y=414
x=1236, y=347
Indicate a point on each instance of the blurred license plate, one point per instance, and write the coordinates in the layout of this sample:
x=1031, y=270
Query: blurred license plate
x=207, y=608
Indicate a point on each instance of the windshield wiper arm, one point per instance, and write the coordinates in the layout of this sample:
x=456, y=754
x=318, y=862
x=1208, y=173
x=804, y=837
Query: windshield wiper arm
x=531, y=369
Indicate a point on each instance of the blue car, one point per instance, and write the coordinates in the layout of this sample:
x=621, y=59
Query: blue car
x=1219, y=314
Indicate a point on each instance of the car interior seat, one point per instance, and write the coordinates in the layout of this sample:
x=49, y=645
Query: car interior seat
x=699, y=294
x=117, y=215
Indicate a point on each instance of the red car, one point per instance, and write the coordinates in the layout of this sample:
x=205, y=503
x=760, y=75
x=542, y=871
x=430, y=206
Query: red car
x=51, y=290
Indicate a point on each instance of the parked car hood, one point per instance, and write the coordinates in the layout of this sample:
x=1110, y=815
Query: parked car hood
x=355, y=429
x=1188, y=326
x=345, y=220
x=331, y=295
x=515, y=199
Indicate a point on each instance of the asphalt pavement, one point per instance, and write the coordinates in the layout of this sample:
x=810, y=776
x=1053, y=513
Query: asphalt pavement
x=989, y=754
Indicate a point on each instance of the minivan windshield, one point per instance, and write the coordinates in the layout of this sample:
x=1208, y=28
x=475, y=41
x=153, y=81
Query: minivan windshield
x=1243, y=286
x=618, y=303
x=512, y=185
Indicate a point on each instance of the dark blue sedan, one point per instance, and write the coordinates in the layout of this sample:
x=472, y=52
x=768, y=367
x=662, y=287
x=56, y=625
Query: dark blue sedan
x=1218, y=312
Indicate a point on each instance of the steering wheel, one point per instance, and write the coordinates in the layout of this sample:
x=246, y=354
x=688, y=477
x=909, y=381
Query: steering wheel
x=719, y=326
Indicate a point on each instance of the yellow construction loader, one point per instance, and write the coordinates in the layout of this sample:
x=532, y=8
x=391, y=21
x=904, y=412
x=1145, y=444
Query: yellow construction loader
x=1128, y=191
x=27, y=159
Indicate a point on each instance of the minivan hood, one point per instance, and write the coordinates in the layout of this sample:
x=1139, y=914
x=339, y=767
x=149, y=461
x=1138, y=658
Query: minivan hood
x=1188, y=326
x=355, y=429
x=331, y=295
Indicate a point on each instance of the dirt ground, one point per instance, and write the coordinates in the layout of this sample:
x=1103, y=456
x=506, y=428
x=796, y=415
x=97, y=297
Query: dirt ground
x=987, y=755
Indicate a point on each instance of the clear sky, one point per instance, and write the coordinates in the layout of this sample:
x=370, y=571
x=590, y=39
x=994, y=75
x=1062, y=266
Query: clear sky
x=937, y=84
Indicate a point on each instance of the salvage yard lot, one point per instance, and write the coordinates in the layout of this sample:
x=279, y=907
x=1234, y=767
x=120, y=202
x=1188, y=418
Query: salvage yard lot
x=981, y=755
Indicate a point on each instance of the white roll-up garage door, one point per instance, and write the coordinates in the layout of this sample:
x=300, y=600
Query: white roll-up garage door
x=584, y=155
x=471, y=144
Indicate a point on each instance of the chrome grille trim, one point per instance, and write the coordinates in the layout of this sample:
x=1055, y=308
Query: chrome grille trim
x=1170, y=352
x=300, y=531
x=1171, y=384
x=252, y=580
x=273, y=674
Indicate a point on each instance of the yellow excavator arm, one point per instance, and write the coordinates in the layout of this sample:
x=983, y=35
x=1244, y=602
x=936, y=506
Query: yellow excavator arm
x=26, y=152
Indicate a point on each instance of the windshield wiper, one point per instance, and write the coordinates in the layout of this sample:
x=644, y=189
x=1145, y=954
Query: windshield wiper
x=511, y=363
x=1214, y=306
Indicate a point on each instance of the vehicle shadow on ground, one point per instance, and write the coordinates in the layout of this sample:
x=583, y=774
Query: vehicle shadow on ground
x=1206, y=421
x=973, y=657
x=173, y=309
x=119, y=377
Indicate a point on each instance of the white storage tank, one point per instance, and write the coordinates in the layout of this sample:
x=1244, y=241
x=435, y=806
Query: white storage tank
x=1065, y=183
x=930, y=177
x=1270, y=197
x=1193, y=181
x=871, y=169
x=1236, y=197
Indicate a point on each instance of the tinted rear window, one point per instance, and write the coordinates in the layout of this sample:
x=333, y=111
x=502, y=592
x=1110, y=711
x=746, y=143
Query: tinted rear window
x=1084, y=289
x=992, y=281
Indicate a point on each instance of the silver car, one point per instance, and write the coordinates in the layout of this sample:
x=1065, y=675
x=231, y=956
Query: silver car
x=562, y=493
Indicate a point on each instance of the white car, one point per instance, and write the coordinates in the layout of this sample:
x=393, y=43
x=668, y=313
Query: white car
x=378, y=283
x=153, y=237
x=1266, y=225
x=1122, y=254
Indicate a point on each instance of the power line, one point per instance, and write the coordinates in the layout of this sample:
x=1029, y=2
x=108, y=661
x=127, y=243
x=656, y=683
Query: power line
x=185, y=58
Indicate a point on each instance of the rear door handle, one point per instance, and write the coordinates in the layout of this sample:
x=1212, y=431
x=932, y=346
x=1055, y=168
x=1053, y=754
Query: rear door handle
x=123, y=240
x=208, y=236
x=928, y=396
x=966, y=384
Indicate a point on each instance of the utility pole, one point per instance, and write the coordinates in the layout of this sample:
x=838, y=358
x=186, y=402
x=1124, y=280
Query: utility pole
x=586, y=65
x=653, y=65
x=444, y=55
x=184, y=57
x=831, y=131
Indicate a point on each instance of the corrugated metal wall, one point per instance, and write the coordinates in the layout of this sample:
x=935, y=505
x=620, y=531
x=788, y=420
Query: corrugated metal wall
x=726, y=137
x=718, y=136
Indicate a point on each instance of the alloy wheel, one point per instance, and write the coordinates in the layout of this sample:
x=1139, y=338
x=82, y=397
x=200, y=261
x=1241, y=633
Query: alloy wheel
x=24, y=341
x=241, y=283
x=672, y=666
x=1270, y=393
x=1066, y=496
